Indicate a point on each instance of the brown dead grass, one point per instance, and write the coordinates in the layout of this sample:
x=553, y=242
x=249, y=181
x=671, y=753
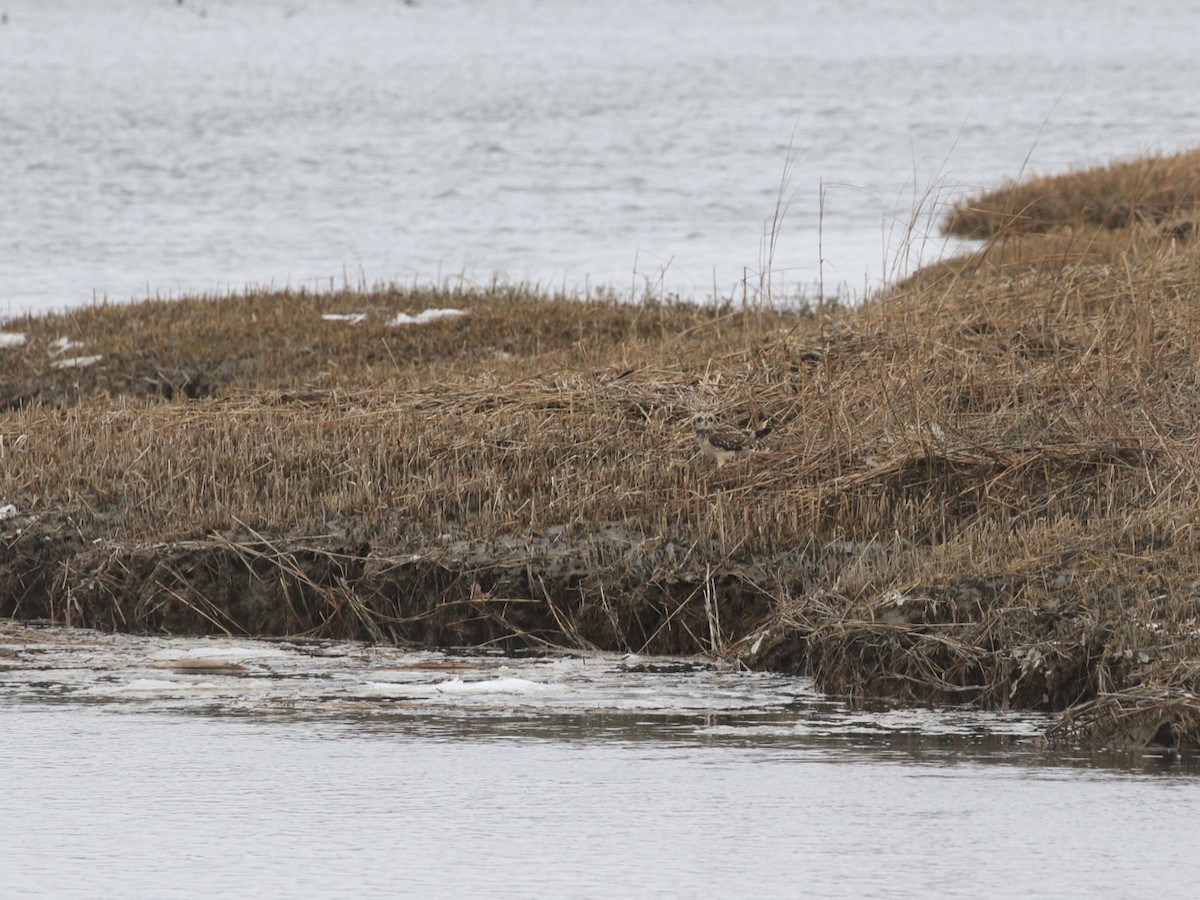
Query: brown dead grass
x=1153, y=189
x=210, y=346
x=981, y=486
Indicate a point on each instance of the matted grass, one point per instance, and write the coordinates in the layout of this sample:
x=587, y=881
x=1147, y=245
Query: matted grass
x=981, y=486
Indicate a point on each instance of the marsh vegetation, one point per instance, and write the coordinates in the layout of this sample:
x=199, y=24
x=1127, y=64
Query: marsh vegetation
x=979, y=486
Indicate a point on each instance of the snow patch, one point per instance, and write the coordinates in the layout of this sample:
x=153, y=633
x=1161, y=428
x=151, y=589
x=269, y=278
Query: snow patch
x=75, y=362
x=11, y=339
x=63, y=344
x=426, y=315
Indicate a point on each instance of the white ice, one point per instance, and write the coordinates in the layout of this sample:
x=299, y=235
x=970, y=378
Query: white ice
x=217, y=652
x=493, y=686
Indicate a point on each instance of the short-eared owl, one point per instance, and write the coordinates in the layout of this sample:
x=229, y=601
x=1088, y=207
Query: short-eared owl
x=723, y=442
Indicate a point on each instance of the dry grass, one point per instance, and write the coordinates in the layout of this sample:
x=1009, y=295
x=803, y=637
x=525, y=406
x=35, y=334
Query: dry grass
x=205, y=347
x=982, y=486
x=1134, y=718
x=1153, y=189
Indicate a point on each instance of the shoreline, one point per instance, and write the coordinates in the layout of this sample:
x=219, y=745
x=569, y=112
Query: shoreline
x=979, y=486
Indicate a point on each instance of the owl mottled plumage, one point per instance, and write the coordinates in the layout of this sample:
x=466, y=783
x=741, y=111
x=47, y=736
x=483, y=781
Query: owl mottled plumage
x=722, y=442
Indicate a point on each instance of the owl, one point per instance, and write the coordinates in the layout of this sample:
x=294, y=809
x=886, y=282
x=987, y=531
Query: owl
x=723, y=442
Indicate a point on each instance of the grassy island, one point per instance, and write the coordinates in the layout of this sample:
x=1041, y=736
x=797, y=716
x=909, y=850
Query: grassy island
x=981, y=485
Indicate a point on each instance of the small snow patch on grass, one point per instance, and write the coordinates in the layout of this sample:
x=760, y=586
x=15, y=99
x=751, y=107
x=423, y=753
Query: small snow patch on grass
x=426, y=315
x=63, y=344
x=75, y=362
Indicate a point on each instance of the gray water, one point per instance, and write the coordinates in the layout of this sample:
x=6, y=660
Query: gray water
x=155, y=767
x=150, y=147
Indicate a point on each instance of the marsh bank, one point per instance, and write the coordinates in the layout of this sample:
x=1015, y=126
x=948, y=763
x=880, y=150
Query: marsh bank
x=979, y=486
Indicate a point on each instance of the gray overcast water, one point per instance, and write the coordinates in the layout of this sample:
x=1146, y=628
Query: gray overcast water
x=156, y=148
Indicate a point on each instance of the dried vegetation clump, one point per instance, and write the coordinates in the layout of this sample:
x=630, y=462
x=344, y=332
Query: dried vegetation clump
x=1158, y=190
x=980, y=486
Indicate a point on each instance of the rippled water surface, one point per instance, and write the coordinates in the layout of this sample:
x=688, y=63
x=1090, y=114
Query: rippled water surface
x=185, y=767
x=157, y=147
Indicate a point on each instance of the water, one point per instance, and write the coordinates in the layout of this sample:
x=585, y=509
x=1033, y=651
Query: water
x=317, y=770
x=150, y=147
